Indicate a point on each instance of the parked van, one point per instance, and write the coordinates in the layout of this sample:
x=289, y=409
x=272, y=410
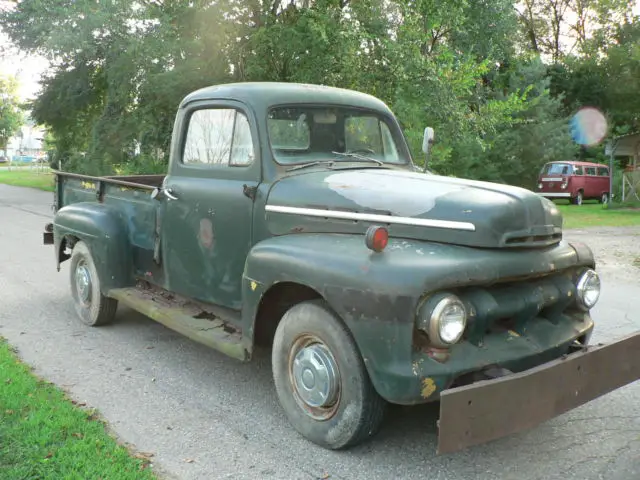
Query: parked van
x=576, y=181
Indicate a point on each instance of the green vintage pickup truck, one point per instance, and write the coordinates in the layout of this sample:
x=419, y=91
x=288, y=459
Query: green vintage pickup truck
x=293, y=216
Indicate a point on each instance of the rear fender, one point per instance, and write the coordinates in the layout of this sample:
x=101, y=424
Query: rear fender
x=102, y=229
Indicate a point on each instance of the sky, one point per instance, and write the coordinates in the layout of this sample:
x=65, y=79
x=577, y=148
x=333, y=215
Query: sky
x=29, y=68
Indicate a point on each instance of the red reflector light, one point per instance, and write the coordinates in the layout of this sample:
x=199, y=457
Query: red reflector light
x=376, y=238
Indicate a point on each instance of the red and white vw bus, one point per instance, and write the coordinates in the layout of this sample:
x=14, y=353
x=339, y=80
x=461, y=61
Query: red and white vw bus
x=575, y=181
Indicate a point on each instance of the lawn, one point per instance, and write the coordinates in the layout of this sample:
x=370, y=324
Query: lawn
x=593, y=215
x=25, y=177
x=45, y=436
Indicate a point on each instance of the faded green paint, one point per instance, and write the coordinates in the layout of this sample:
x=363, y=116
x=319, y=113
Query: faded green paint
x=207, y=232
x=377, y=296
x=218, y=243
x=102, y=229
x=500, y=213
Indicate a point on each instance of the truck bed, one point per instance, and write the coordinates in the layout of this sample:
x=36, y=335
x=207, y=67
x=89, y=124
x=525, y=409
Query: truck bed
x=130, y=197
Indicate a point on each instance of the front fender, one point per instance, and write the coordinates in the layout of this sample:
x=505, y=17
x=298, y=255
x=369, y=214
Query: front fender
x=376, y=294
x=101, y=228
x=376, y=304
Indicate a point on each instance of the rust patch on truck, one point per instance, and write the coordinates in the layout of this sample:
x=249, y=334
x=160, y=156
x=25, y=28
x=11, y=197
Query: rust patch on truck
x=428, y=387
x=205, y=234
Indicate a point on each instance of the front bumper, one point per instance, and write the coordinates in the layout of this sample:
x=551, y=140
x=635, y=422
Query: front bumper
x=554, y=194
x=490, y=409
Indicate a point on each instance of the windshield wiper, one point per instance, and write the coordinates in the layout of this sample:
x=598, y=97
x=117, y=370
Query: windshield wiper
x=359, y=157
x=311, y=164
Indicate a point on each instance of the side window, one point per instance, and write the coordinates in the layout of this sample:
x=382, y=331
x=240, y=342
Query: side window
x=603, y=172
x=590, y=170
x=218, y=136
x=577, y=170
x=242, y=147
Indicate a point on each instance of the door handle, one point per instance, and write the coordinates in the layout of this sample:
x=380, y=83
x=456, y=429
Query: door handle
x=169, y=193
x=160, y=193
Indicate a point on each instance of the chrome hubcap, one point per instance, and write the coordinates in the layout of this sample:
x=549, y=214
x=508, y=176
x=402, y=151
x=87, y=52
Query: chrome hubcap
x=83, y=282
x=315, y=376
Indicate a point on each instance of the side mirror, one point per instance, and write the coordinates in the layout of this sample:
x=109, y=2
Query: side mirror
x=429, y=137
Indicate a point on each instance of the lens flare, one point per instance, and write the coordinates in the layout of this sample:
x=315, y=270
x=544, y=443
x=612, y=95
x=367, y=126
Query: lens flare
x=588, y=126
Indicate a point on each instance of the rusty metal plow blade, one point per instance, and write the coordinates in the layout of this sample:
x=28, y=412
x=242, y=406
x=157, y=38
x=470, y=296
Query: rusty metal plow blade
x=491, y=409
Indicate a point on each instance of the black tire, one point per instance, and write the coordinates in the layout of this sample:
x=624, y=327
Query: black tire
x=94, y=309
x=358, y=411
x=577, y=200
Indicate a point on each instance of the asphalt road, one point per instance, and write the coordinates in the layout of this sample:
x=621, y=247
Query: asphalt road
x=181, y=401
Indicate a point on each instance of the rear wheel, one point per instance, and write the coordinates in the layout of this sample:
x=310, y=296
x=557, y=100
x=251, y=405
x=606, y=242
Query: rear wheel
x=92, y=307
x=321, y=380
x=577, y=200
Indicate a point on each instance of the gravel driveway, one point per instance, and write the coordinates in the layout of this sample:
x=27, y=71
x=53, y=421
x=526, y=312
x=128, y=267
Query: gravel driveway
x=617, y=250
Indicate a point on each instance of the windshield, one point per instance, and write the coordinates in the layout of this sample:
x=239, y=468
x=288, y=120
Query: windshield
x=304, y=134
x=557, y=169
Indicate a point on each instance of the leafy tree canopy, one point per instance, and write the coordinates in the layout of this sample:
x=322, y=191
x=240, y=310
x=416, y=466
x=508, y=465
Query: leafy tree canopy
x=497, y=79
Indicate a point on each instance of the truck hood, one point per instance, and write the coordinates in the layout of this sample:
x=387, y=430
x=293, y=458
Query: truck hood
x=412, y=205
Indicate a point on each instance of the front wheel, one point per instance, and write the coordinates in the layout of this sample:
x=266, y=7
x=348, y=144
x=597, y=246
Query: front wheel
x=321, y=380
x=577, y=200
x=604, y=199
x=92, y=307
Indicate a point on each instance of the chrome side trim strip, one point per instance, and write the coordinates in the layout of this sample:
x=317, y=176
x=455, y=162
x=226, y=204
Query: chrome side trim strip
x=369, y=217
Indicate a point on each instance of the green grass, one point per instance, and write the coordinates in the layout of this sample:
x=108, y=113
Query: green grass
x=25, y=177
x=44, y=436
x=593, y=215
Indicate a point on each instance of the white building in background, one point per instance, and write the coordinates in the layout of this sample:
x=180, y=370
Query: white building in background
x=27, y=144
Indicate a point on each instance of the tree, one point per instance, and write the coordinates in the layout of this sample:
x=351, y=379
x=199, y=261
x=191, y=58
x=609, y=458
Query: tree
x=11, y=117
x=556, y=28
x=473, y=70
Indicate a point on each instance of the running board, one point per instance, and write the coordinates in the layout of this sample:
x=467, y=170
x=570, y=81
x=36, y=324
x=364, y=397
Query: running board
x=208, y=327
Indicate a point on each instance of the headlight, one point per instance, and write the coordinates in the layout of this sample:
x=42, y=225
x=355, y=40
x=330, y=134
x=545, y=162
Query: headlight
x=564, y=185
x=588, y=289
x=444, y=318
x=539, y=185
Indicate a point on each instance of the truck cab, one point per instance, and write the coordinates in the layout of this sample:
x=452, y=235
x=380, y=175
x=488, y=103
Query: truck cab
x=293, y=216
